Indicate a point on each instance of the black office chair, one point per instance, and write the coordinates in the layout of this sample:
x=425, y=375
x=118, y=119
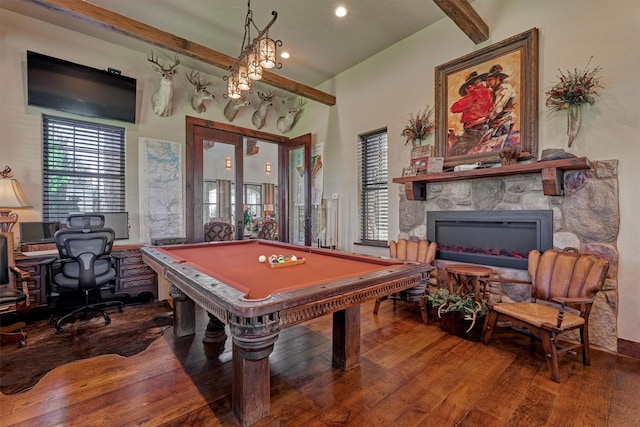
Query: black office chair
x=85, y=266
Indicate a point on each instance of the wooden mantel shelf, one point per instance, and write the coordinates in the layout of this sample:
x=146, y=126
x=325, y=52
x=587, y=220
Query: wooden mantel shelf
x=552, y=171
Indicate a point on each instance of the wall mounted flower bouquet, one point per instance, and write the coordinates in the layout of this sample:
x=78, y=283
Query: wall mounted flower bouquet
x=574, y=89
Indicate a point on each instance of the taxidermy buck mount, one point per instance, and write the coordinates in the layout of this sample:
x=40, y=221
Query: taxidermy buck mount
x=259, y=116
x=285, y=123
x=162, y=99
x=233, y=107
x=200, y=92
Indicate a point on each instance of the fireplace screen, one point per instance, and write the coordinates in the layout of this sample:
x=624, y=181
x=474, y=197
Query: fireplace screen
x=498, y=238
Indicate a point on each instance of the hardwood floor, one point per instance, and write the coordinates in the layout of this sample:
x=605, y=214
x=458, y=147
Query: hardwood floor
x=410, y=374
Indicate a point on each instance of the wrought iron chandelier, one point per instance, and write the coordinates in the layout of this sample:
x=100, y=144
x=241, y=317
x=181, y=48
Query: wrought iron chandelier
x=255, y=55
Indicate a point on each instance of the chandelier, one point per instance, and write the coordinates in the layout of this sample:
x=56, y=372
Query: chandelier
x=255, y=55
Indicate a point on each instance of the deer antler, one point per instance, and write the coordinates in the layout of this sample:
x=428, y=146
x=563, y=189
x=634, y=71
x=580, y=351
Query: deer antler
x=194, y=79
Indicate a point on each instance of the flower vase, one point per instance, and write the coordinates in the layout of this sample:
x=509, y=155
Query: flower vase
x=573, y=122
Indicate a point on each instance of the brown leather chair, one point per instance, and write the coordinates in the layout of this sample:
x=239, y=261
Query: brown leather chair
x=565, y=278
x=269, y=230
x=411, y=250
x=218, y=231
x=14, y=294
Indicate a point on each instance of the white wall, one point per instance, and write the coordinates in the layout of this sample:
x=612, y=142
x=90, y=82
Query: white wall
x=372, y=95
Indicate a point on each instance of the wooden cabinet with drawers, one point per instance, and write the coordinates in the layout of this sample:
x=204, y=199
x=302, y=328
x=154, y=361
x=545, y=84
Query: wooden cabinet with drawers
x=37, y=283
x=134, y=278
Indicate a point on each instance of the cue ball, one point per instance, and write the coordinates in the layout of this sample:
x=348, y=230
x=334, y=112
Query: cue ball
x=262, y=258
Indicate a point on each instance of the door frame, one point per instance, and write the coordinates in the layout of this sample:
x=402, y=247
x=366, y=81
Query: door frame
x=196, y=129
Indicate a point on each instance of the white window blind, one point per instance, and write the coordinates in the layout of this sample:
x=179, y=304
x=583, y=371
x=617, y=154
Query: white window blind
x=83, y=168
x=374, y=190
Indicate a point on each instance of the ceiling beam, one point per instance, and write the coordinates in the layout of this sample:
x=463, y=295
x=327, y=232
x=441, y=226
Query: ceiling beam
x=466, y=18
x=121, y=24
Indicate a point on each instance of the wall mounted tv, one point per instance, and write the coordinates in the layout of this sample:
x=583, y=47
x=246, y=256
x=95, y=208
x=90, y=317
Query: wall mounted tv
x=65, y=86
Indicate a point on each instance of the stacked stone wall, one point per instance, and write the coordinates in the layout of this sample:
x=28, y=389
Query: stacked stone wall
x=587, y=217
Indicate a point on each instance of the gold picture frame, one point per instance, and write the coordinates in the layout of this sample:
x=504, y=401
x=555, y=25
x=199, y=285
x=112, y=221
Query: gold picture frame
x=472, y=127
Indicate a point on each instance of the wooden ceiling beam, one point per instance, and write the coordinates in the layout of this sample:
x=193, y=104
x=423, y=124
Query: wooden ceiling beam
x=466, y=18
x=121, y=24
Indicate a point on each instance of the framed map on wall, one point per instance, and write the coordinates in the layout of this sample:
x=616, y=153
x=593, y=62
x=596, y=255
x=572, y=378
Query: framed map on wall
x=161, y=190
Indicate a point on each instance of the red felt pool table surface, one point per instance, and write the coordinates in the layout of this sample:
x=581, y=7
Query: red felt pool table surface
x=236, y=264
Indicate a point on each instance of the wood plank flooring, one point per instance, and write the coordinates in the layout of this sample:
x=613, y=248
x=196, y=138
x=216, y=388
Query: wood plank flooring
x=410, y=374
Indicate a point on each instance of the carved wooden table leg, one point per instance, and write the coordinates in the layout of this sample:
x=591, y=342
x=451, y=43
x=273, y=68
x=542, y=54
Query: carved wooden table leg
x=465, y=278
x=215, y=332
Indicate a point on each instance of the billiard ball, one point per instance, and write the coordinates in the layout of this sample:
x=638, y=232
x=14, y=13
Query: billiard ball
x=262, y=258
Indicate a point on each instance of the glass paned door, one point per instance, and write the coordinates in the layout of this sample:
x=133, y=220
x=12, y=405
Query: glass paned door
x=297, y=161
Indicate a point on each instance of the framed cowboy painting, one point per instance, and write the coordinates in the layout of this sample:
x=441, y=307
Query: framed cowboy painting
x=487, y=101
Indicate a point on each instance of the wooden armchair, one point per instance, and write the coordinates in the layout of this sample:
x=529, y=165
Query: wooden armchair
x=411, y=250
x=14, y=294
x=269, y=230
x=566, y=278
x=217, y=231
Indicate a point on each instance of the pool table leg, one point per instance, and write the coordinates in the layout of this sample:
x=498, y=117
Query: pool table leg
x=250, y=383
x=184, y=313
x=346, y=338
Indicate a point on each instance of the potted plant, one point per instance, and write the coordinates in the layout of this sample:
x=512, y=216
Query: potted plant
x=460, y=315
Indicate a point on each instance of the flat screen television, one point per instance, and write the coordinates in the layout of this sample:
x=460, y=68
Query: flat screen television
x=74, y=88
x=38, y=231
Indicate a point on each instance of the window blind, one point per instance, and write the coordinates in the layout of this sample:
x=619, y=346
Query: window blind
x=374, y=191
x=83, y=168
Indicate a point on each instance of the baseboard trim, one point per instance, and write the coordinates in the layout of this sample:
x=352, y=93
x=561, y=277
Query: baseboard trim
x=629, y=348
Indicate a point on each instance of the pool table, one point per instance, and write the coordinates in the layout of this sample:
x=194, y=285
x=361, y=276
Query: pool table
x=256, y=300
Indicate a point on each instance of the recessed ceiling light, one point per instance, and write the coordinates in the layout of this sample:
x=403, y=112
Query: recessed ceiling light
x=341, y=11
x=284, y=55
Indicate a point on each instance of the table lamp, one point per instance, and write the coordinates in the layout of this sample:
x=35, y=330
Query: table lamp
x=11, y=196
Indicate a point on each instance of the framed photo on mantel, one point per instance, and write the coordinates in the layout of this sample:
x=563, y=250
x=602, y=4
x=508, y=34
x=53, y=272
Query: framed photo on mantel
x=487, y=101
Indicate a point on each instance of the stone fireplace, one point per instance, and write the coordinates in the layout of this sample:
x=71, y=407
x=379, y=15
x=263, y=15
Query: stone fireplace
x=585, y=217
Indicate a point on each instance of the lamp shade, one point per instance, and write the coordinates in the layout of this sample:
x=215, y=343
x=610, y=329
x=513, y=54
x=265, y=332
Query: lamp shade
x=267, y=48
x=11, y=195
x=254, y=69
x=244, y=83
x=232, y=88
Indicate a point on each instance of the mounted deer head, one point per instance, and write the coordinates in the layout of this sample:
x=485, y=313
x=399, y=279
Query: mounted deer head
x=233, y=107
x=162, y=99
x=200, y=92
x=259, y=116
x=285, y=123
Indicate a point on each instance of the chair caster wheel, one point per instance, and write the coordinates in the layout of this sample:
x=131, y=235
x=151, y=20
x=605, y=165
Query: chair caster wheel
x=120, y=309
x=107, y=321
x=59, y=329
x=22, y=343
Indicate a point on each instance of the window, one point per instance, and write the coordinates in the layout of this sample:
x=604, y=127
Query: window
x=83, y=168
x=374, y=190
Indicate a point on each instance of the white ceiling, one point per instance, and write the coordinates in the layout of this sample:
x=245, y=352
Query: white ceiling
x=321, y=45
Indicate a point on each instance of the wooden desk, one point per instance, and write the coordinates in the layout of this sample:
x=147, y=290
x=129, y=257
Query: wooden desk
x=465, y=279
x=134, y=277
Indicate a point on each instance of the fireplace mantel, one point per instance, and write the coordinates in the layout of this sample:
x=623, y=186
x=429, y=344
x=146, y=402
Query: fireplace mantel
x=552, y=171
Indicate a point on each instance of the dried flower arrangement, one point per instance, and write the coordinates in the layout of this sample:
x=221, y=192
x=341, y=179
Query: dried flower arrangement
x=419, y=127
x=574, y=89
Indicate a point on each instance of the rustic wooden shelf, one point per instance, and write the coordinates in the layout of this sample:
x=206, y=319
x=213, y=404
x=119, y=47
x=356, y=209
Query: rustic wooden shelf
x=552, y=171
